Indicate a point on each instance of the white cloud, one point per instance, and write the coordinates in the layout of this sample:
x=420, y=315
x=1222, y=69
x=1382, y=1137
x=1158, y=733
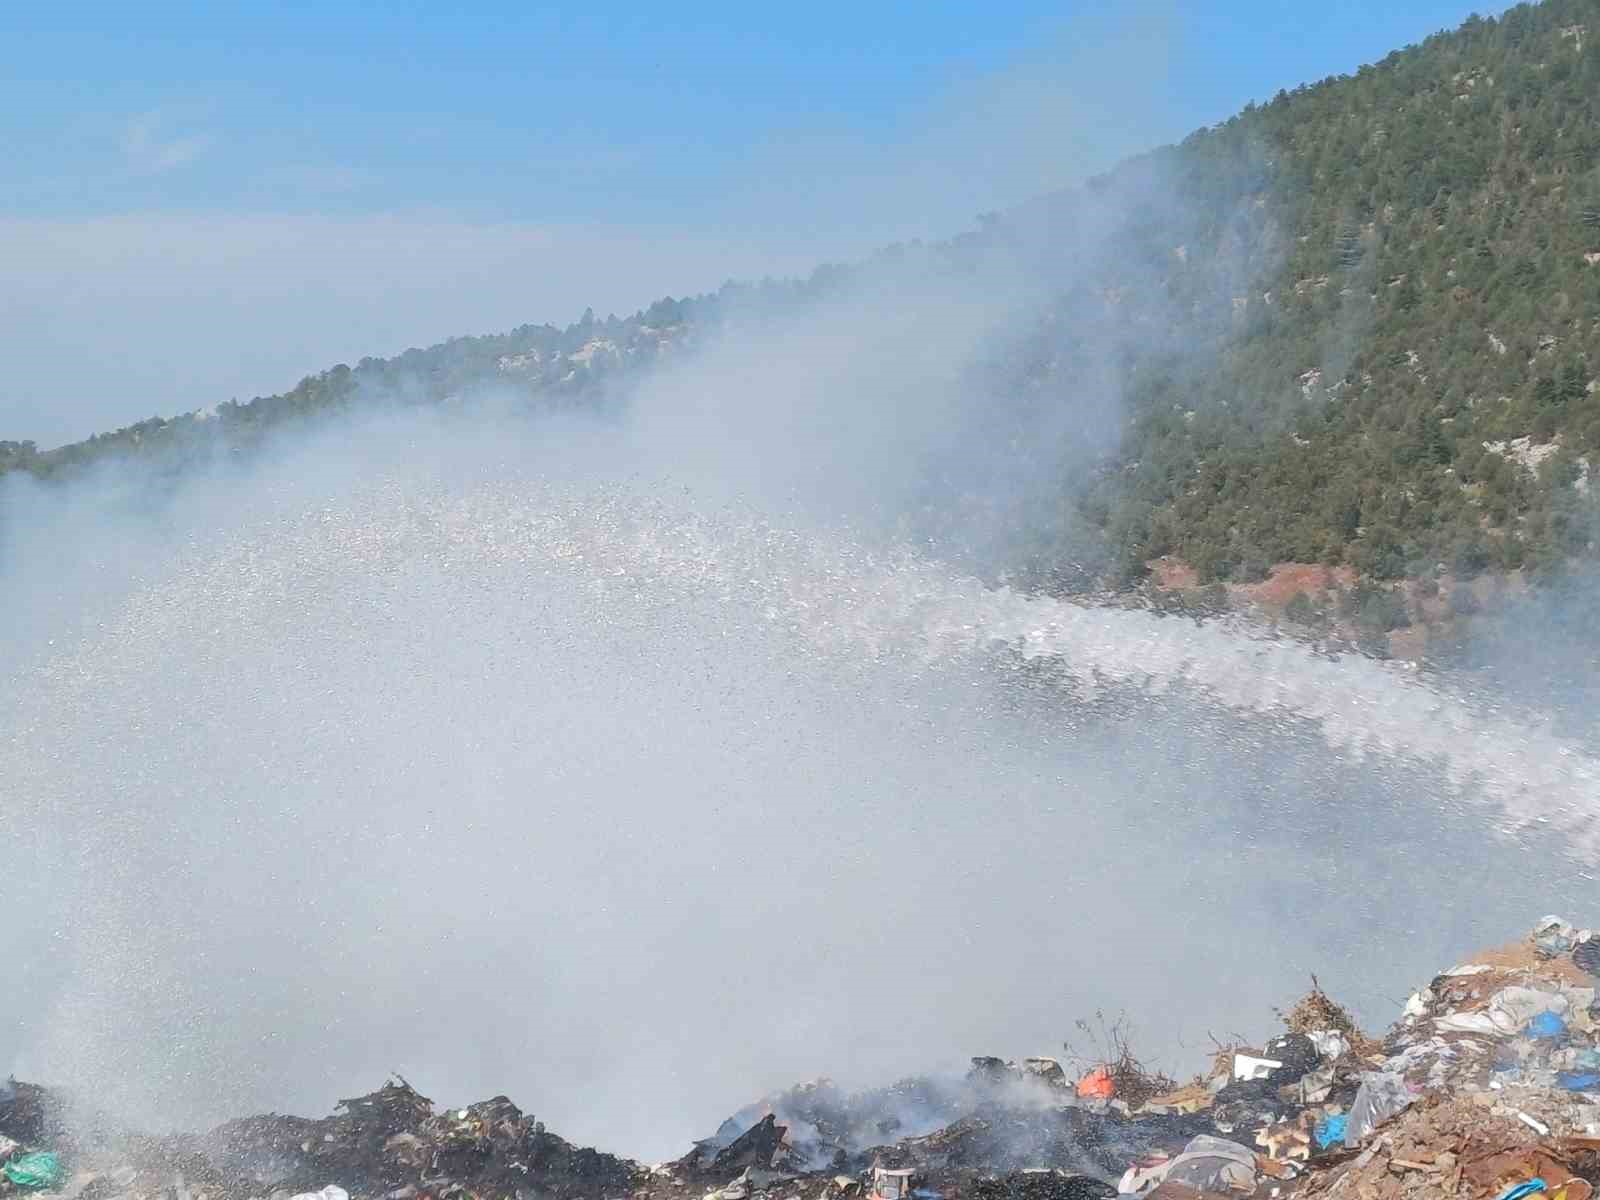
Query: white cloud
x=150, y=149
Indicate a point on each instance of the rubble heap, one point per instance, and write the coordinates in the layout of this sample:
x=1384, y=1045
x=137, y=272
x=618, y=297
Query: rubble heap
x=1487, y=1088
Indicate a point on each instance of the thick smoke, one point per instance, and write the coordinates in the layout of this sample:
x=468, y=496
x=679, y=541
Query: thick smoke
x=637, y=765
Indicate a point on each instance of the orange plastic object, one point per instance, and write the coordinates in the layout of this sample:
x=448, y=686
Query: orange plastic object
x=1097, y=1085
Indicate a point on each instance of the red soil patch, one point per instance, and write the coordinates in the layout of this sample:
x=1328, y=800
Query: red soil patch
x=1172, y=574
x=1289, y=580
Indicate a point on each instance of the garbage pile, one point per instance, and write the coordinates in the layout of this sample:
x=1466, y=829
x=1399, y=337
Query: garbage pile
x=389, y=1144
x=1487, y=1088
x=1489, y=1083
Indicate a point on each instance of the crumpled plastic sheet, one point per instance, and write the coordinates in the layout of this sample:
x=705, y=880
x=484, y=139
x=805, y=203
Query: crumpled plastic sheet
x=1211, y=1164
x=1382, y=1095
x=1330, y=1043
x=1432, y=1050
x=1315, y=1086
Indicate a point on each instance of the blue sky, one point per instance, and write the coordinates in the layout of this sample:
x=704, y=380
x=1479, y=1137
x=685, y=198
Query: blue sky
x=207, y=200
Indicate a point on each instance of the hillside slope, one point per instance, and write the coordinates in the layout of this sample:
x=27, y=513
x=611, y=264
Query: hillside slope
x=1358, y=325
x=1436, y=300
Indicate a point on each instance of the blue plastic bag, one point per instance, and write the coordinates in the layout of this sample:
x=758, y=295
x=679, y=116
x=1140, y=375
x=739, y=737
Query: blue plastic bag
x=1546, y=1026
x=1576, y=1081
x=1330, y=1130
x=35, y=1172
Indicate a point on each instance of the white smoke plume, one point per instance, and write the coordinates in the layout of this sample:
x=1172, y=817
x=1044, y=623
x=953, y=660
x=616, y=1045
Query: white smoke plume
x=634, y=766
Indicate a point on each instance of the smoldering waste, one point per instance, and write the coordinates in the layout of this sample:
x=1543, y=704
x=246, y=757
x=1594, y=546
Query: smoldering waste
x=1486, y=1088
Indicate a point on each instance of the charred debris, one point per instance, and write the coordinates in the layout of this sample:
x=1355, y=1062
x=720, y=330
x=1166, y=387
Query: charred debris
x=1486, y=1088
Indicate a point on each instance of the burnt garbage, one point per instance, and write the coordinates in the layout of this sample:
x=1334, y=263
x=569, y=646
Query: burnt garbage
x=1492, y=1070
x=390, y=1143
x=1072, y=1138
x=27, y=1111
x=762, y=1145
x=827, y=1128
x=1001, y=1117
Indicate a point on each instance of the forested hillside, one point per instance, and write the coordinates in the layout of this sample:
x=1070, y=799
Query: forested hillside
x=1360, y=326
x=539, y=361
x=1437, y=217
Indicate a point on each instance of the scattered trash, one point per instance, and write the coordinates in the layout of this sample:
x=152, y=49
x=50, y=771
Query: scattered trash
x=393, y=1144
x=1554, y=936
x=889, y=1185
x=1486, y=1088
x=1538, y=1127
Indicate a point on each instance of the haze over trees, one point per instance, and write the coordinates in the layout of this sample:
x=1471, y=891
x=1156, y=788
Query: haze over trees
x=1356, y=325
